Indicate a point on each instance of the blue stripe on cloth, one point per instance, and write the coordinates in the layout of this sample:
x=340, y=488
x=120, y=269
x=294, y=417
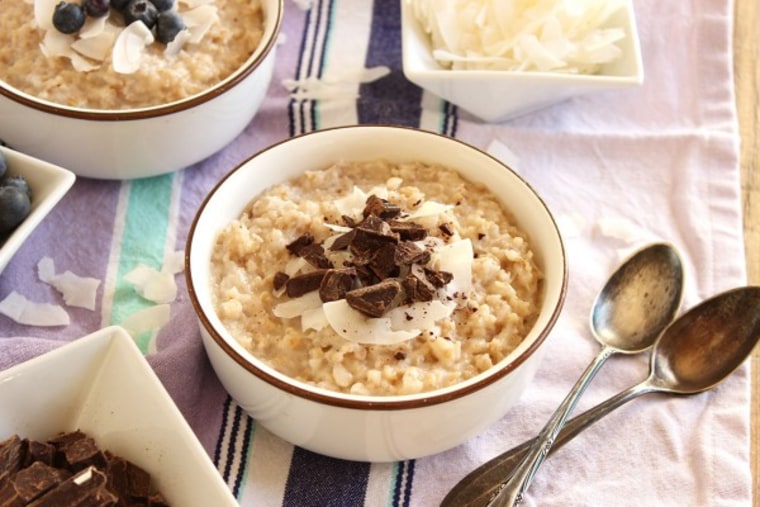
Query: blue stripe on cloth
x=222, y=430
x=403, y=479
x=391, y=99
x=245, y=449
x=321, y=481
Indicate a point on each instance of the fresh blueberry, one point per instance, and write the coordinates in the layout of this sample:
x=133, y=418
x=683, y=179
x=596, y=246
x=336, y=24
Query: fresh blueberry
x=168, y=25
x=97, y=8
x=18, y=182
x=3, y=164
x=119, y=5
x=14, y=208
x=68, y=17
x=163, y=5
x=140, y=10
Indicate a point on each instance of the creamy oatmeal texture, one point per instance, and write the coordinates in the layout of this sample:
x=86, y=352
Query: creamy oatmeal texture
x=160, y=79
x=485, y=326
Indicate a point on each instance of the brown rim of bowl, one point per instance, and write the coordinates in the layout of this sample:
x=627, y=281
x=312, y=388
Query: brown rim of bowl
x=152, y=111
x=341, y=399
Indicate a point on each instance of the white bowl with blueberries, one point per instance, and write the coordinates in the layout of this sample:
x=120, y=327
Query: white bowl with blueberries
x=29, y=190
x=152, y=86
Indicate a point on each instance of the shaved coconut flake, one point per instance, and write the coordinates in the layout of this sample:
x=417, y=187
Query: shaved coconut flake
x=174, y=263
x=314, y=318
x=296, y=307
x=43, y=13
x=130, y=46
x=353, y=203
x=46, y=269
x=295, y=265
x=419, y=315
x=149, y=319
x=95, y=26
x=456, y=258
x=152, y=284
x=76, y=290
x=55, y=43
x=97, y=47
x=191, y=4
x=24, y=311
x=355, y=327
x=550, y=35
x=198, y=20
x=176, y=45
x=336, y=228
x=429, y=209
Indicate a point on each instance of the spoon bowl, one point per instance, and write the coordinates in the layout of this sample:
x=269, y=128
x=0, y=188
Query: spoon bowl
x=693, y=355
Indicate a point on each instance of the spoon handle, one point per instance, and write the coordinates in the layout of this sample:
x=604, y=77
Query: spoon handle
x=481, y=485
x=513, y=491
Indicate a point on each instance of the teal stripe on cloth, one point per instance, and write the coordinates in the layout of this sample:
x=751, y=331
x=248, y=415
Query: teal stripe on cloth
x=143, y=242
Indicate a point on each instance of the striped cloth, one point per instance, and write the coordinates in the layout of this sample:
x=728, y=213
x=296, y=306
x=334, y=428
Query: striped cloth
x=617, y=168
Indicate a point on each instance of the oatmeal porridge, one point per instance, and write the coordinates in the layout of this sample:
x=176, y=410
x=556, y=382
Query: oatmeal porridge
x=234, y=32
x=406, y=278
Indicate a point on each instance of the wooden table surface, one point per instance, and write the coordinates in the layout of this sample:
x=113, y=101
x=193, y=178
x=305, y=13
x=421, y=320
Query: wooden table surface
x=747, y=76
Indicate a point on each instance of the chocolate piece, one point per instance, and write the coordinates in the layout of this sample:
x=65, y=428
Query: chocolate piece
x=438, y=278
x=409, y=231
x=375, y=300
x=380, y=208
x=416, y=285
x=383, y=262
x=301, y=284
x=279, y=280
x=315, y=255
x=39, y=451
x=82, y=453
x=12, y=452
x=446, y=229
x=37, y=479
x=299, y=243
x=408, y=253
x=343, y=241
x=371, y=234
x=85, y=489
x=349, y=221
x=336, y=283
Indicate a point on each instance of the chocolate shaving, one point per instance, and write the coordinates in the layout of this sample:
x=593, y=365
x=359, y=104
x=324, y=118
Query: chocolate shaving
x=280, y=279
x=299, y=285
x=438, y=278
x=446, y=229
x=375, y=300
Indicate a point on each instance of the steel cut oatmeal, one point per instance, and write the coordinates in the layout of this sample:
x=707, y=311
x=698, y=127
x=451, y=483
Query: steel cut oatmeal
x=376, y=278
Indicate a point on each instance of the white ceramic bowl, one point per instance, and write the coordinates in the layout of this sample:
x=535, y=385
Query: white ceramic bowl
x=495, y=96
x=371, y=428
x=143, y=142
x=102, y=385
x=49, y=183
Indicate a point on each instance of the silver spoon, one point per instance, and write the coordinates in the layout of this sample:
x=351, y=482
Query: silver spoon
x=641, y=297
x=697, y=352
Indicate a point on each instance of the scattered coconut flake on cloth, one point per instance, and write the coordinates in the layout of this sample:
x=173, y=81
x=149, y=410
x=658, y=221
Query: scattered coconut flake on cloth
x=24, y=311
x=76, y=290
x=153, y=285
x=569, y=36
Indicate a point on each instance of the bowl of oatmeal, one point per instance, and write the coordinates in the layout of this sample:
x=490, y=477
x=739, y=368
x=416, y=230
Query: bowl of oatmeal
x=357, y=286
x=129, y=89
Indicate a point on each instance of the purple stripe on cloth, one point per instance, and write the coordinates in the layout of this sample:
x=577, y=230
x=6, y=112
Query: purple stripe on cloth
x=391, y=99
x=321, y=481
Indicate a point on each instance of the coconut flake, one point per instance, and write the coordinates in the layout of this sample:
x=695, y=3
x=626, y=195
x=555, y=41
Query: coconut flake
x=355, y=327
x=199, y=20
x=456, y=258
x=76, y=290
x=96, y=47
x=153, y=285
x=296, y=307
x=174, y=263
x=24, y=311
x=314, y=318
x=176, y=45
x=43, y=13
x=429, y=209
x=129, y=47
x=150, y=319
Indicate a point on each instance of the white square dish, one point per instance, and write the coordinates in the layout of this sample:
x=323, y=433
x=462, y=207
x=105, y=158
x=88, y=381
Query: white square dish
x=498, y=95
x=102, y=385
x=49, y=183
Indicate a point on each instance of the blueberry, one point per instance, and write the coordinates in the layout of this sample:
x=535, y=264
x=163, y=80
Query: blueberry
x=97, y=8
x=3, y=164
x=14, y=207
x=168, y=25
x=119, y=5
x=18, y=182
x=163, y=5
x=140, y=10
x=68, y=17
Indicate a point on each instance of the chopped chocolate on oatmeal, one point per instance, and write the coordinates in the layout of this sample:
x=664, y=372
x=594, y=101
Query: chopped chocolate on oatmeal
x=301, y=284
x=336, y=283
x=376, y=299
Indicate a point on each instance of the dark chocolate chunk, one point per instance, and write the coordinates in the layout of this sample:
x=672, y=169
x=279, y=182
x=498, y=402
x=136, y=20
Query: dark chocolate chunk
x=279, y=280
x=408, y=253
x=380, y=208
x=416, y=285
x=39, y=451
x=82, y=453
x=409, y=231
x=438, y=278
x=299, y=243
x=446, y=229
x=12, y=452
x=301, y=284
x=349, y=221
x=375, y=300
x=343, y=241
x=383, y=262
x=315, y=255
x=371, y=234
x=336, y=283
x=85, y=489
x=37, y=479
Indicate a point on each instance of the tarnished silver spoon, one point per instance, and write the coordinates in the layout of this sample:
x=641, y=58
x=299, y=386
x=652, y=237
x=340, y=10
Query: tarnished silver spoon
x=694, y=354
x=641, y=297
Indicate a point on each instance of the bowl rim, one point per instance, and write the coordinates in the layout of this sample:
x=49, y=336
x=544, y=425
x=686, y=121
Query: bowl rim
x=251, y=63
x=363, y=402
